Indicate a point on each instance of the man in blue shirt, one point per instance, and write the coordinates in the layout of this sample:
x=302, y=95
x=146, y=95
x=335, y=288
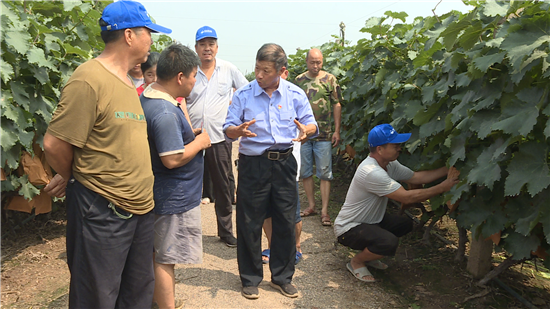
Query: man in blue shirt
x=266, y=114
x=177, y=160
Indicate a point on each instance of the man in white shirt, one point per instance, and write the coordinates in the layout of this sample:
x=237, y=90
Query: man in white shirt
x=363, y=223
x=207, y=105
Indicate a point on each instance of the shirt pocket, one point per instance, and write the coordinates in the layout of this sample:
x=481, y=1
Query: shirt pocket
x=286, y=119
x=223, y=88
x=250, y=114
x=286, y=116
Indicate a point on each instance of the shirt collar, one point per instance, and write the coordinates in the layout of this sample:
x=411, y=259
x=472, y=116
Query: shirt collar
x=151, y=93
x=216, y=67
x=259, y=90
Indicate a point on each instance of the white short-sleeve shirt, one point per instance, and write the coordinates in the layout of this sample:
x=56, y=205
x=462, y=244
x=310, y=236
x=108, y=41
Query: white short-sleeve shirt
x=366, y=201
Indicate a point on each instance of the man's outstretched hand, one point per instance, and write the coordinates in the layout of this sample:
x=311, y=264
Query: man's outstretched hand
x=242, y=130
x=302, y=136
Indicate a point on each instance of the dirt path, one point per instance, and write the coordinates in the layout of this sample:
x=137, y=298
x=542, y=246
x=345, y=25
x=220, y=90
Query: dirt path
x=37, y=276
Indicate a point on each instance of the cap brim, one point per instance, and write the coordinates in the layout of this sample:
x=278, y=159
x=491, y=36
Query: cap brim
x=158, y=29
x=205, y=37
x=400, y=138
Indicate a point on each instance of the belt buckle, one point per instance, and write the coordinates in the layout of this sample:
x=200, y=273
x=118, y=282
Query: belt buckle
x=273, y=155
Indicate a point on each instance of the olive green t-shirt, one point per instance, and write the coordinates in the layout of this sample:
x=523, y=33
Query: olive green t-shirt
x=102, y=117
x=322, y=91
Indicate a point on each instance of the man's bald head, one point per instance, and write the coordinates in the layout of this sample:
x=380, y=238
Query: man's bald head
x=314, y=62
x=315, y=52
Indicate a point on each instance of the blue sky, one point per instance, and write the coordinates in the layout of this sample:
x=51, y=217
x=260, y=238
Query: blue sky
x=243, y=27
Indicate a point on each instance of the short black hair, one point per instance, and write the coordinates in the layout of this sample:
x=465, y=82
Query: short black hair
x=174, y=59
x=152, y=60
x=109, y=36
x=273, y=53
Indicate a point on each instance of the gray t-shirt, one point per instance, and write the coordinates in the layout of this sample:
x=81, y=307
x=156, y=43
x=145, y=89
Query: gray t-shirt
x=366, y=201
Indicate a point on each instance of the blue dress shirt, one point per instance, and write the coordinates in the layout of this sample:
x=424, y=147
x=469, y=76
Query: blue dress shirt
x=274, y=126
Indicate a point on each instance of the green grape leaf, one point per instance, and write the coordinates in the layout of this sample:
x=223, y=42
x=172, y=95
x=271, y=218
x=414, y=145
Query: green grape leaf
x=547, y=129
x=484, y=62
x=517, y=119
x=36, y=55
x=19, y=40
x=525, y=225
x=537, y=54
x=75, y=50
x=495, y=223
x=27, y=190
x=25, y=138
x=528, y=167
x=458, y=149
x=520, y=246
x=487, y=170
x=482, y=122
x=19, y=94
x=451, y=32
x=521, y=44
x=6, y=70
x=41, y=74
x=490, y=94
x=471, y=35
x=16, y=114
x=495, y=8
x=8, y=138
x=397, y=15
x=69, y=5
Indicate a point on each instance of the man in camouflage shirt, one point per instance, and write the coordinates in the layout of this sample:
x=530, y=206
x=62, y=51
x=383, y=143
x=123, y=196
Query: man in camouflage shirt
x=324, y=95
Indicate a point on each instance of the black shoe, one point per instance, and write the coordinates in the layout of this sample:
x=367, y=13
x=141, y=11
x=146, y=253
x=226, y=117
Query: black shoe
x=250, y=292
x=229, y=241
x=286, y=289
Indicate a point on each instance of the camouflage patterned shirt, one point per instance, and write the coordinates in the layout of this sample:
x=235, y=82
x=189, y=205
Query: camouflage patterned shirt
x=322, y=92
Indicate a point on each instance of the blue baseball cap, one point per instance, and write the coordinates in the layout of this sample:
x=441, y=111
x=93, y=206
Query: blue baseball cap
x=128, y=14
x=385, y=134
x=206, y=32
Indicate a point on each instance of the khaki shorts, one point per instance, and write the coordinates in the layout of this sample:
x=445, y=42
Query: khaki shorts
x=178, y=238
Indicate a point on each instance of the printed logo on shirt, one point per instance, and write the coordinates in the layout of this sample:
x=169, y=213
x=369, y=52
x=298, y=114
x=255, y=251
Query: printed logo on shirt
x=129, y=115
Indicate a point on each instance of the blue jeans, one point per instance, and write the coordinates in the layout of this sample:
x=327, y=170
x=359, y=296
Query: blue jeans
x=322, y=152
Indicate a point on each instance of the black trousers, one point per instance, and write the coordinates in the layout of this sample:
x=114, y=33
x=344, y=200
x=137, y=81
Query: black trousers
x=266, y=185
x=110, y=258
x=208, y=186
x=381, y=238
x=218, y=159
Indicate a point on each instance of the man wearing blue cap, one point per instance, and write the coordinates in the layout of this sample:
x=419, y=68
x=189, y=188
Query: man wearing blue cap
x=97, y=142
x=363, y=223
x=207, y=105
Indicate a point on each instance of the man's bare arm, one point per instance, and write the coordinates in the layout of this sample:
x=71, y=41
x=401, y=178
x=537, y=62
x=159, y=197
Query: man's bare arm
x=420, y=195
x=59, y=155
x=424, y=177
x=337, y=111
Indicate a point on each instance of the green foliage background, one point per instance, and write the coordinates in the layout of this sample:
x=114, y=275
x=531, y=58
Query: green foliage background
x=473, y=89
x=42, y=43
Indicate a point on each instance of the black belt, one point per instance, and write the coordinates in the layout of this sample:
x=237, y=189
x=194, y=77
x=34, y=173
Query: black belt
x=277, y=155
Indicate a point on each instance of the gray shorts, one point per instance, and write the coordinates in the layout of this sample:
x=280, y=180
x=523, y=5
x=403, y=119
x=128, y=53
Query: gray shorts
x=178, y=238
